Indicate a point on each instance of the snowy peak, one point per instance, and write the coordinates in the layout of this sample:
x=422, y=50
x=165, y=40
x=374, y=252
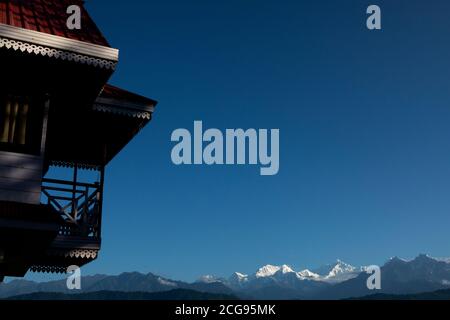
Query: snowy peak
x=240, y=275
x=333, y=269
x=306, y=274
x=271, y=270
x=238, y=278
x=208, y=279
x=286, y=269
x=267, y=271
x=340, y=268
x=337, y=272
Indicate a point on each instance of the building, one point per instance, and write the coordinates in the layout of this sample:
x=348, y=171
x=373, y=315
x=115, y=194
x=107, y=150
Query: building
x=56, y=110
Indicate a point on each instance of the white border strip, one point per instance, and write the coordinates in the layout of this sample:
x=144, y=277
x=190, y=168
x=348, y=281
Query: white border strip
x=56, y=53
x=57, y=42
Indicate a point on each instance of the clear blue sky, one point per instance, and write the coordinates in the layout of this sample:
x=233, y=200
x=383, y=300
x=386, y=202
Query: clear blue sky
x=364, y=121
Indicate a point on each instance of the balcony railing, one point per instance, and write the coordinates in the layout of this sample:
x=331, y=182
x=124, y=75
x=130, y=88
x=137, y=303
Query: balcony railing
x=77, y=203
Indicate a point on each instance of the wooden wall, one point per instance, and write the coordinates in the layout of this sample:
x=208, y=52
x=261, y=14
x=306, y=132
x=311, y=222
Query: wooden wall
x=20, y=177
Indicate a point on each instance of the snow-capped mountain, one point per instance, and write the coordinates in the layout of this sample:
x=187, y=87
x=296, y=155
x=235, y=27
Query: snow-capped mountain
x=237, y=280
x=209, y=279
x=269, y=270
x=306, y=274
x=338, y=272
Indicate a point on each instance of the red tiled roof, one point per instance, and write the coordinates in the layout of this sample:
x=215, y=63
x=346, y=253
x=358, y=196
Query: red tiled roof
x=49, y=16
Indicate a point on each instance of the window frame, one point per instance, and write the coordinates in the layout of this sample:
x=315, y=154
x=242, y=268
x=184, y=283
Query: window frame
x=33, y=134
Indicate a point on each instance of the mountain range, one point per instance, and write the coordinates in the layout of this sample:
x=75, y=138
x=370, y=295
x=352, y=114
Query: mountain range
x=338, y=280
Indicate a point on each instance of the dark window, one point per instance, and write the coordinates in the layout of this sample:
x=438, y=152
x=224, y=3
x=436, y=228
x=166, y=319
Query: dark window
x=20, y=125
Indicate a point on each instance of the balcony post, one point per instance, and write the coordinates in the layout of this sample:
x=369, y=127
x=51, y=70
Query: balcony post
x=45, y=124
x=74, y=193
x=100, y=199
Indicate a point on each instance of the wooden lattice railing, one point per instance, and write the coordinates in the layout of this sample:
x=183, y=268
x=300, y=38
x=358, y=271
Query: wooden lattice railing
x=78, y=204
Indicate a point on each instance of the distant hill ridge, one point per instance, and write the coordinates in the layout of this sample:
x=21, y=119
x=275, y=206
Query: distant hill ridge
x=435, y=295
x=182, y=294
x=176, y=294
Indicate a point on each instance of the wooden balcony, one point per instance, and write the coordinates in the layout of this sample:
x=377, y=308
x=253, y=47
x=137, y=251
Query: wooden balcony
x=79, y=234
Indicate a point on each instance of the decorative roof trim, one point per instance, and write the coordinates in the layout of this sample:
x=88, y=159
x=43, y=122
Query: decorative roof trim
x=48, y=269
x=66, y=164
x=61, y=267
x=58, y=47
x=74, y=253
x=57, y=42
x=122, y=111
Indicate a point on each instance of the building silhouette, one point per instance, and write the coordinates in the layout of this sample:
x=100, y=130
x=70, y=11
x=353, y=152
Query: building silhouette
x=56, y=110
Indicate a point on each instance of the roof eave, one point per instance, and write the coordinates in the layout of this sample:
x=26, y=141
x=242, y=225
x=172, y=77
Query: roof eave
x=56, y=46
x=133, y=109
